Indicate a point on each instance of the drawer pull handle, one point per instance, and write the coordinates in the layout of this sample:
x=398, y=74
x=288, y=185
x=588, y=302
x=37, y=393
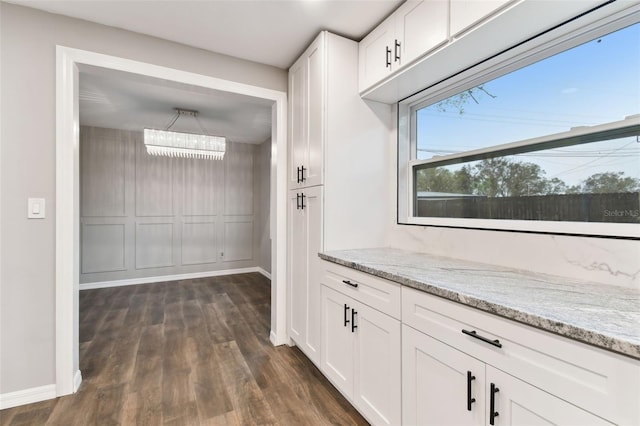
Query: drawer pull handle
x=492, y=405
x=346, y=314
x=353, y=320
x=470, y=400
x=474, y=334
x=350, y=283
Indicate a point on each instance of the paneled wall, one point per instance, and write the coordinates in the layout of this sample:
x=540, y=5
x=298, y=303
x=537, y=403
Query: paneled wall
x=146, y=216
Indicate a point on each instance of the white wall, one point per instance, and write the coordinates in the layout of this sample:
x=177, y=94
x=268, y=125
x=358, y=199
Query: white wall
x=603, y=260
x=27, y=266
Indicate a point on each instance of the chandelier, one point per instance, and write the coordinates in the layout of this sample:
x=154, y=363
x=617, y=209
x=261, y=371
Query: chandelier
x=184, y=145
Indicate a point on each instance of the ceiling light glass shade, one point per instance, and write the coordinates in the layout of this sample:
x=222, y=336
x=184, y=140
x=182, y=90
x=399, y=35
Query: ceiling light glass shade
x=185, y=145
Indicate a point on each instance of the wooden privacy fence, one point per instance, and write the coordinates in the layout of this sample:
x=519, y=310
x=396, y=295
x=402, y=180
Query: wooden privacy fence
x=623, y=207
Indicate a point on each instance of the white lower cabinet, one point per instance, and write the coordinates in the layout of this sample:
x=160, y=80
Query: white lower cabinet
x=518, y=403
x=443, y=386
x=338, y=343
x=405, y=357
x=361, y=356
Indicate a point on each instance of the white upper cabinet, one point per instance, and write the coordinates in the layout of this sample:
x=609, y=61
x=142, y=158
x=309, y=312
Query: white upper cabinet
x=332, y=130
x=414, y=29
x=420, y=27
x=375, y=51
x=298, y=142
x=425, y=42
x=465, y=13
x=306, y=103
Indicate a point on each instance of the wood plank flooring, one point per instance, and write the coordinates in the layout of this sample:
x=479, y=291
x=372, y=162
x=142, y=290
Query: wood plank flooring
x=193, y=352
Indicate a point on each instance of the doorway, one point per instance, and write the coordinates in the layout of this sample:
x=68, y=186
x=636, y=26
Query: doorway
x=70, y=62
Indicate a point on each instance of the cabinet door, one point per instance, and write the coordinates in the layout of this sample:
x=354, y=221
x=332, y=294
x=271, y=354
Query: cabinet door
x=465, y=13
x=435, y=387
x=315, y=112
x=375, y=54
x=421, y=25
x=305, y=241
x=337, y=339
x=519, y=403
x=298, y=141
x=313, y=216
x=297, y=268
x=377, y=385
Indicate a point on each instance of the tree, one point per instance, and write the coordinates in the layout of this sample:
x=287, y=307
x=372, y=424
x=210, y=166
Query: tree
x=557, y=186
x=437, y=179
x=458, y=101
x=503, y=177
x=610, y=182
x=463, y=180
x=524, y=179
x=490, y=177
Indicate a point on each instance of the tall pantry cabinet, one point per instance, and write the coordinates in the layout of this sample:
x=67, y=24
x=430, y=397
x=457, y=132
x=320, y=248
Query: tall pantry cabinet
x=337, y=153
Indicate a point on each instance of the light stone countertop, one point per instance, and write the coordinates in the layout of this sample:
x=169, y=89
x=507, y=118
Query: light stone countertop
x=601, y=315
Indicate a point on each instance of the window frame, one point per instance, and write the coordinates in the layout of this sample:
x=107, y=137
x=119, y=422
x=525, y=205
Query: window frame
x=538, y=48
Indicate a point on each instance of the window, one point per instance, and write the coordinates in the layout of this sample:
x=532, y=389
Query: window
x=545, y=143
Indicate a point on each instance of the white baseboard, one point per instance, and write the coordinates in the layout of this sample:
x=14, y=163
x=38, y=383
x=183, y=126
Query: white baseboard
x=77, y=380
x=163, y=278
x=27, y=396
x=263, y=272
x=273, y=337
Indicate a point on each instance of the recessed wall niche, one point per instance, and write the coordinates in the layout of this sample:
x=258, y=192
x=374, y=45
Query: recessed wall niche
x=147, y=216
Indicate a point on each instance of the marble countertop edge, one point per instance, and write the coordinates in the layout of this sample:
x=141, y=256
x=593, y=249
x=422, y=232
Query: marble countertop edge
x=591, y=337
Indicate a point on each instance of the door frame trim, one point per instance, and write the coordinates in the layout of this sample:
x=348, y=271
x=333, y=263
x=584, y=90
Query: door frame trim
x=67, y=240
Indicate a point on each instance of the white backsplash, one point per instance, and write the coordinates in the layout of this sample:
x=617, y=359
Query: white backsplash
x=607, y=261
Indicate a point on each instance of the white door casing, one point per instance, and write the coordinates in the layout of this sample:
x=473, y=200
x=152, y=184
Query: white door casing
x=68, y=63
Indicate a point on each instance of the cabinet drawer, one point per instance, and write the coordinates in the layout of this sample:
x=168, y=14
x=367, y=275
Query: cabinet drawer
x=376, y=292
x=598, y=381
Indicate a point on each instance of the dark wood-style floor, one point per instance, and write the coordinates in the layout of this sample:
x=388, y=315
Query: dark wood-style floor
x=188, y=353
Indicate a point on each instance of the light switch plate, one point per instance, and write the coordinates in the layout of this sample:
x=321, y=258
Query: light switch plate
x=36, y=208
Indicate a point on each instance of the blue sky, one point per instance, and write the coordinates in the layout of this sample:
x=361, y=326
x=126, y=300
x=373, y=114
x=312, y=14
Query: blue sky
x=593, y=83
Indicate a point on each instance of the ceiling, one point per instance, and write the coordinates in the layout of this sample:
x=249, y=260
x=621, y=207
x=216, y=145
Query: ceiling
x=273, y=32
x=120, y=100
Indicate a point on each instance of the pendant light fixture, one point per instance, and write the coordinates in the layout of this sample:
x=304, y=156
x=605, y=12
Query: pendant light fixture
x=184, y=145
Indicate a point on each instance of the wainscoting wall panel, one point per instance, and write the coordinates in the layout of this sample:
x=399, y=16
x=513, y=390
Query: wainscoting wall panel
x=145, y=216
x=103, y=174
x=154, y=245
x=202, y=187
x=154, y=182
x=199, y=243
x=238, y=240
x=238, y=188
x=103, y=247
